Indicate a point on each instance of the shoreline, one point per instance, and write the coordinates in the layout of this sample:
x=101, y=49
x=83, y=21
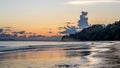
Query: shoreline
x=111, y=57
x=97, y=55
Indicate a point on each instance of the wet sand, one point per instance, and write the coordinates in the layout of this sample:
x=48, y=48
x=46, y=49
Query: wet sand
x=111, y=58
x=96, y=55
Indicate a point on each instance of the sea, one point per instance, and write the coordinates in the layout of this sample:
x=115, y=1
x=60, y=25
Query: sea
x=54, y=54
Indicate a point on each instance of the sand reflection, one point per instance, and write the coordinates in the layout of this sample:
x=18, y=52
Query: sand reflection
x=76, y=56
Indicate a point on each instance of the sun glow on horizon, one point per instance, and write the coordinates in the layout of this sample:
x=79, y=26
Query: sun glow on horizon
x=44, y=17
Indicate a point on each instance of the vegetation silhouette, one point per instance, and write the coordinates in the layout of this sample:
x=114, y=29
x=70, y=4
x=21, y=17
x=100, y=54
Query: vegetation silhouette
x=98, y=32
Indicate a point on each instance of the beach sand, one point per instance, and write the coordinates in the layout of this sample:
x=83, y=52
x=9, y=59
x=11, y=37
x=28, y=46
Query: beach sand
x=111, y=58
x=102, y=56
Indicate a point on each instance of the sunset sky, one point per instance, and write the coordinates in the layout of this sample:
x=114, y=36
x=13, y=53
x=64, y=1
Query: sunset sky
x=41, y=16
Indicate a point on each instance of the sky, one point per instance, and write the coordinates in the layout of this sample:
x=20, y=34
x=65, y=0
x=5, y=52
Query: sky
x=43, y=16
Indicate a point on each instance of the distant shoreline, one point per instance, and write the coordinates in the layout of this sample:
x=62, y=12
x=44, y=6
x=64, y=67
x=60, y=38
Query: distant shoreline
x=98, y=32
x=30, y=40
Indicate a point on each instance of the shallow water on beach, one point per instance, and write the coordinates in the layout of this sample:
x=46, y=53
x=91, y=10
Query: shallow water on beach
x=31, y=54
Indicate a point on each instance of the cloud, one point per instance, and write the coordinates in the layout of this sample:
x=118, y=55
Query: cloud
x=84, y=2
x=69, y=30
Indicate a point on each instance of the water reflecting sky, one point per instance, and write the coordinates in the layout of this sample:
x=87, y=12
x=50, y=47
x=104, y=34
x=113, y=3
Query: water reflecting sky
x=53, y=57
